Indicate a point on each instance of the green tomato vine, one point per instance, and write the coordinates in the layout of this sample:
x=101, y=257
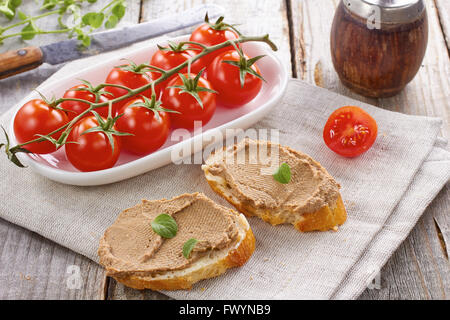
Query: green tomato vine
x=71, y=15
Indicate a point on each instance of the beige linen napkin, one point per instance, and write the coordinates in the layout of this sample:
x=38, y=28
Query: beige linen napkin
x=385, y=192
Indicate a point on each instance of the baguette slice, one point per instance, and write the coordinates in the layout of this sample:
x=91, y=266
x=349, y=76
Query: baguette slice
x=212, y=264
x=231, y=186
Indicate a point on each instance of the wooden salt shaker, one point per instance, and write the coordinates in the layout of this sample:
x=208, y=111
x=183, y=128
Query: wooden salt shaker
x=377, y=46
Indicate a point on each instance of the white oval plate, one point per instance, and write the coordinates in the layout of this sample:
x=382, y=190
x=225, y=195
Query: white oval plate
x=56, y=167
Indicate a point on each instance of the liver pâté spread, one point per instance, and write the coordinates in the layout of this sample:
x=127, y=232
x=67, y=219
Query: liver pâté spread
x=130, y=246
x=311, y=186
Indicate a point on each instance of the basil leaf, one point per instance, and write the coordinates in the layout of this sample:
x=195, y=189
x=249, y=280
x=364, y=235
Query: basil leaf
x=188, y=247
x=283, y=174
x=93, y=19
x=119, y=10
x=29, y=32
x=165, y=226
x=111, y=22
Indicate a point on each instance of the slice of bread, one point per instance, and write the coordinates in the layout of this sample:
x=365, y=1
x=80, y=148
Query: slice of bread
x=212, y=264
x=327, y=217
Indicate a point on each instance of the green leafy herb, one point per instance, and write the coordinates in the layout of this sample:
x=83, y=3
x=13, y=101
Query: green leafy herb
x=93, y=19
x=188, y=247
x=283, y=174
x=8, y=8
x=83, y=20
x=165, y=226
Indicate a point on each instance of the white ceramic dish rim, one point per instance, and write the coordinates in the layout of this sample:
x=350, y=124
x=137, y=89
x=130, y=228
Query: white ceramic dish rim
x=123, y=171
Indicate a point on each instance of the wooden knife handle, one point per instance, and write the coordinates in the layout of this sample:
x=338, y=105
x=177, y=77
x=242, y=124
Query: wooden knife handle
x=17, y=61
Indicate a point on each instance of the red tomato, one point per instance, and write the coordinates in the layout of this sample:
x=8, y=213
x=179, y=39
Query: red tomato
x=225, y=79
x=167, y=59
x=149, y=131
x=91, y=151
x=350, y=131
x=78, y=107
x=187, y=106
x=129, y=79
x=210, y=35
x=37, y=117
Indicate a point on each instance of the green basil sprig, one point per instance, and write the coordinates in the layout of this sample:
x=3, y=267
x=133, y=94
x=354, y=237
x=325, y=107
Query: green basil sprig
x=283, y=174
x=165, y=226
x=188, y=247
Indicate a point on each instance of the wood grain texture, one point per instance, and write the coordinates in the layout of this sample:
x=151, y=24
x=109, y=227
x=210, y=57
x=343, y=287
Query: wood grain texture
x=443, y=10
x=419, y=269
x=32, y=267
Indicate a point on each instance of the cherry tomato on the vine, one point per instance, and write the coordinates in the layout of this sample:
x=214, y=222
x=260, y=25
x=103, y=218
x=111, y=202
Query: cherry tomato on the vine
x=149, y=128
x=35, y=118
x=74, y=108
x=226, y=78
x=167, y=58
x=91, y=151
x=184, y=102
x=125, y=77
x=210, y=34
x=350, y=131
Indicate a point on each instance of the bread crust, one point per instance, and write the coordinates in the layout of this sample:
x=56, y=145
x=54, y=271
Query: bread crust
x=322, y=220
x=235, y=258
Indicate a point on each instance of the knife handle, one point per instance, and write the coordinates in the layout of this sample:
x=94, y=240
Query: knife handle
x=18, y=61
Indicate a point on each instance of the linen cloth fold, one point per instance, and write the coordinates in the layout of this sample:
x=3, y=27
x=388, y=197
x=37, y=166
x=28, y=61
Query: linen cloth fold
x=385, y=192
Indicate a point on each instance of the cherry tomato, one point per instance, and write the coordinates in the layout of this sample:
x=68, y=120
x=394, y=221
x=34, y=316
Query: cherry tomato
x=91, y=151
x=74, y=108
x=187, y=106
x=149, y=131
x=167, y=59
x=37, y=117
x=225, y=79
x=207, y=35
x=129, y=79
x=350, y=131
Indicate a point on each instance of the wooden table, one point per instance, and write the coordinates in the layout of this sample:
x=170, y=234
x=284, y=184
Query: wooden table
x=32, y=267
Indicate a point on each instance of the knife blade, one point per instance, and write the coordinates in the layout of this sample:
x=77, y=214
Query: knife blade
x=18, y=61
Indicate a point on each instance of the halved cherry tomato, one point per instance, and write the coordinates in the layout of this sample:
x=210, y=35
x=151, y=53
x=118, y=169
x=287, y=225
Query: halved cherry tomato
x=37, y=117
x=210, y=34
x=149, y=128
x=130, y=79
x=350, y=131
x=74, y=108
x=91, y=151
x=169, y=58
x=188, y=107
x=225, y=79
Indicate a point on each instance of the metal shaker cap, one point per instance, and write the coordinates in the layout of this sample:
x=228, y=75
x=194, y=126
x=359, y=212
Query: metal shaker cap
x=388, y=11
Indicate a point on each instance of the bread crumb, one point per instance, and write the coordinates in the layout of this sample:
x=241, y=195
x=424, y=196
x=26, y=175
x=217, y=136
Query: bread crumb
x=335, y=228
x=251, y=278
x=202, y=289
x=266, y=259
x=25, y=277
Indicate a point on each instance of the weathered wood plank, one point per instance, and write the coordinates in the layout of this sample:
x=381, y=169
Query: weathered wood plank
x=255, y=18
x=419, y=268
x=32, y=267
x=443, y=7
